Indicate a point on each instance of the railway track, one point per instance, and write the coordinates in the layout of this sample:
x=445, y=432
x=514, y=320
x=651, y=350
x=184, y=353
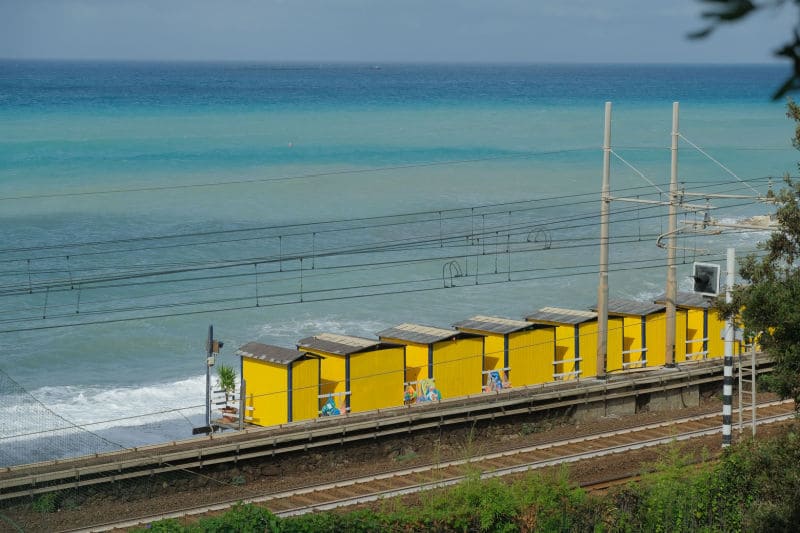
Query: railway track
x=365, y=489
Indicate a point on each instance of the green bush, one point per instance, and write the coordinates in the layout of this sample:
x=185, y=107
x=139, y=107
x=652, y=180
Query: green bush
x=242, y=518
x=164, y=526
x=765, y=476
x=46, y=503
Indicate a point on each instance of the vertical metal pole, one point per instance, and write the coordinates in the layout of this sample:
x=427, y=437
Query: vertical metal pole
x=602, y=286
x=727, y=383
x=740, y=366
x=242, y=403
x=672, y=283
x=753, y=382
x=209, y=348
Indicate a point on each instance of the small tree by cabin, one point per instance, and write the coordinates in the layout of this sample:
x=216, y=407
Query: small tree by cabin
x=226, y=381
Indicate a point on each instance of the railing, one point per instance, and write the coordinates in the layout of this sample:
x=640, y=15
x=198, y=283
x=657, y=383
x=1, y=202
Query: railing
x=343, y=409
x=504, y=369
x=642, y=362
x=559, y=376
x=700, y=354
x=328, y=394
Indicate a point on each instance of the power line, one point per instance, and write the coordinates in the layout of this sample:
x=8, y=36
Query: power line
x=304, y=299
x=395, y=245
x=491, y=236
x=320, y=224
x=348, y=171
x=544, y=221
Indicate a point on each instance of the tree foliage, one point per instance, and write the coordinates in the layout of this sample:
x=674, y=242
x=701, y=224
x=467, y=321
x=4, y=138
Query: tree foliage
x=226, y=380
x=769, y=299
x=722, y=12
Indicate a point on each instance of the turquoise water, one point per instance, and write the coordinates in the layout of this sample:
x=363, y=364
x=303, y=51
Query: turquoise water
x=220, y=177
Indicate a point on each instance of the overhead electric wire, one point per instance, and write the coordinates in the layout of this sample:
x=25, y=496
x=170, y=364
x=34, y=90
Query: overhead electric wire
x=311, y=175
x=265, y=280
x=309, y=274
x=319, y=231
x=72, y=280
x=301, y=295
x=282, y=280
x=486, y=236
x=592, y=194
x=433, y=237
x=395, y=245
x=307, y=234
x=349, y=268
x=432, y=241
x=436, y=214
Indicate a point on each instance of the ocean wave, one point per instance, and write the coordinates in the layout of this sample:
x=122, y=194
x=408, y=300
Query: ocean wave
x=290, y=331
x=75, y=409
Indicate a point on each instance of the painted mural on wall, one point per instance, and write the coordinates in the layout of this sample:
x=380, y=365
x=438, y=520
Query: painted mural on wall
x=425, y=391
x=496, y=380
x=329, y=408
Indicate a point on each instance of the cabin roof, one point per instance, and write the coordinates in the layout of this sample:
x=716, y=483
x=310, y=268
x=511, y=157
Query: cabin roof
x=270, y=353
x=420, y=334
x=632, y=307
x=688, y=299
x=558, y=315
x=493, y=324
x=341, y=344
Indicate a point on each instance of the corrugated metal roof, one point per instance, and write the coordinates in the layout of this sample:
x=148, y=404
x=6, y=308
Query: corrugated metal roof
x=557, y=315
x=688, y=299
x=493, y=324
x=418, y=333
x=632, y=307
x=272, y=354
x=338, y=344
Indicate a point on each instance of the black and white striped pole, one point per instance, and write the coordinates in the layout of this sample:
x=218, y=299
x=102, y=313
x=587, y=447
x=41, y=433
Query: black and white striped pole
x=727, y=383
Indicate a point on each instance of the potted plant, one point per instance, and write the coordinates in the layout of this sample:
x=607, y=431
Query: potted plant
x=226, y=380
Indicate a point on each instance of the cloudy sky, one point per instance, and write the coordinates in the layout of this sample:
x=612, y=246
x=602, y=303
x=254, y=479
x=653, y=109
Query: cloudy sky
x=382, y=31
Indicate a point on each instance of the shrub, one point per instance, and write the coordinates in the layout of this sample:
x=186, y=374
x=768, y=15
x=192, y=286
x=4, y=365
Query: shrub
x=242, y=518
x=46, y=503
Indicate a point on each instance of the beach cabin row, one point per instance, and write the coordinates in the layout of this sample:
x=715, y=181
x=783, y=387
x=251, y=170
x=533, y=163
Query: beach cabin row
x=329, y=374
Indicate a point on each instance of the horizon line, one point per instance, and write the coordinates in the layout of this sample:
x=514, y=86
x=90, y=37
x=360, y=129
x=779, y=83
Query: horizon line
x=380, y=63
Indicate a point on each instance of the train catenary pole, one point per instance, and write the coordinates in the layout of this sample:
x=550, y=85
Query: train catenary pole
x=672, y=283
x=727, y=383
x=602, y=287
x=209, y=359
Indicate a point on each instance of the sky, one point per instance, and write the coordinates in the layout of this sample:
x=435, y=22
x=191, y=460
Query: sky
x=374, y=31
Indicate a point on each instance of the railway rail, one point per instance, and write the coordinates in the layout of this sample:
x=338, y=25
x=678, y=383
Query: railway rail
x=365, y=489
x=34, y=479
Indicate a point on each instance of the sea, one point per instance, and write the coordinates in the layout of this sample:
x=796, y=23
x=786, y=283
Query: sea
x=141, y=203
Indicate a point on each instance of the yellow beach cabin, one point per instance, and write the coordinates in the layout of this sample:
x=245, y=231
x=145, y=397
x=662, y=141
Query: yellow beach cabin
x=358, y=374
x=698, y=330
x=281, y=385
x=643, y=326
x=453, y=359
x=576, y=341
x=521, y=350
